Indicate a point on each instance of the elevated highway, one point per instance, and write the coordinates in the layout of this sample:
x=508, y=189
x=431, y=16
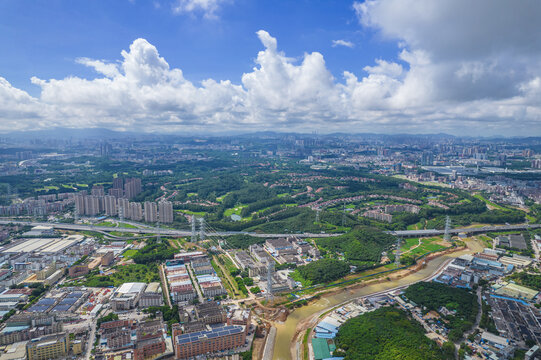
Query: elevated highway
x=151, y=230
x=472, y=230
x=178, y=233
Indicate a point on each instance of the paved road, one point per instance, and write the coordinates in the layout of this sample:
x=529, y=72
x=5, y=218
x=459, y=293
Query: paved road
x=171, y=232
x=91, y=339
x=152, y=230
x=535, y=248
x=484, y=229
x=196, y=284
x=165, y=288
x=269, y=344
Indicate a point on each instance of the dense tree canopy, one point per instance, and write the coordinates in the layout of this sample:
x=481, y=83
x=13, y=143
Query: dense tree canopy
x=433, y=296
x=324, y=270
x=362, y=246
x=385, y=334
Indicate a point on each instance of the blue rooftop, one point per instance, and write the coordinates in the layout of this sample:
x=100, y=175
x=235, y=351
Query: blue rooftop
x=11, y=329
x=214, y=333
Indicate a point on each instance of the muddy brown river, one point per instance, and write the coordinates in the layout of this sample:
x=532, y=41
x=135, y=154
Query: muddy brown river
x=286, y=331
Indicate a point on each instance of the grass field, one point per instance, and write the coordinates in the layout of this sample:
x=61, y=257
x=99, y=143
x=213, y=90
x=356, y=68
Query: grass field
x=417, y=226
x=408, y=244
x=490, y=203
x=135, y=273
x=411, y=246
x=229, y=284
x=120, y=234
x=47, y=188
x=427, y=245
x=196, y=213
x=127, y=226
x=128, y=254
x=236, y=210
x=487, y=241
x=123, y=274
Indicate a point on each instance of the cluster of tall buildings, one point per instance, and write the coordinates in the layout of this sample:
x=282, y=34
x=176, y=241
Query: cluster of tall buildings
x=117, y=203
x=128, y=188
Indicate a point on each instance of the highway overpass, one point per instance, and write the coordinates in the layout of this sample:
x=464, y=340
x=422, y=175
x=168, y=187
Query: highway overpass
x=151, y=230
x=178, y=233
x=471, y=230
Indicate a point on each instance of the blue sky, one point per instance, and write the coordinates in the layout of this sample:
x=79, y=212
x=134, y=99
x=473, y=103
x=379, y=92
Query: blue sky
x=45, y=37
x=387, y=66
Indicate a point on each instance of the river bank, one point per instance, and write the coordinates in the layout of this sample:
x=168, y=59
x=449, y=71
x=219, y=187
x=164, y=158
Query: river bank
x=302, y=318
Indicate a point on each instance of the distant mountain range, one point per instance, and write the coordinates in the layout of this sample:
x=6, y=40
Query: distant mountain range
x=102, y=133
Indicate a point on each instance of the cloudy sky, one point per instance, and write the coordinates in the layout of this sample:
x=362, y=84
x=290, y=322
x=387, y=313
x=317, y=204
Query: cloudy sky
x=385, y=66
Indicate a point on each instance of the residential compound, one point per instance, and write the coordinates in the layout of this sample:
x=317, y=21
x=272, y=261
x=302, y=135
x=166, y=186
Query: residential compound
x=191, y=274
x=109, y=205
x=211, y=329
x=137, y=340
x=181, y=288
x=38, y=336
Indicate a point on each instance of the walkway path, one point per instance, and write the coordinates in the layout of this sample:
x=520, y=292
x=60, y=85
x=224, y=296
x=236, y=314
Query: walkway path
x=194, y=280
x=165, y=288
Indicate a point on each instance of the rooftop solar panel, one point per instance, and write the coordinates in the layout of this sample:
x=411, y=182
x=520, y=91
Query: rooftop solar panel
x=39, y=308
x=69, y=301
x=75, y=294
x=61, y=308
x=46, y=301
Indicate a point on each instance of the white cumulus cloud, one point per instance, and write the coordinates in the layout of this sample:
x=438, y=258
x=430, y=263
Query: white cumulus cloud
x=454, y=72
x=208, y=7
x=345, y=43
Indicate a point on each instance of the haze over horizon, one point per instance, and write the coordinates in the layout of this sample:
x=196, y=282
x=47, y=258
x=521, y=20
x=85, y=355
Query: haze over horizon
x=378, y=66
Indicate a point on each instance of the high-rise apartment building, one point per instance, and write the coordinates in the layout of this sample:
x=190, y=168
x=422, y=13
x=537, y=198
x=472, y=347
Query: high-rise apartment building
x=110, y=205
x=124, y=208
x=165, y=212
x=132, y=187
x=80, y=204
x=136, y=211
x=97, y=190
x=151, y=212
x=92, y=205
x=118, y=183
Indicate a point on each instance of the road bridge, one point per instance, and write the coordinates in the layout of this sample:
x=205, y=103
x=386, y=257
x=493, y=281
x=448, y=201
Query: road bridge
x=178, y=233
x=472, y=230
x=153, y=230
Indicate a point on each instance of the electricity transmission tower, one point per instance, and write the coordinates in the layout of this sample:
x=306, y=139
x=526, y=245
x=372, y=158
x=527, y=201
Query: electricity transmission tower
x=270, y=269
x=194, y=230
x=447, y=234
x=397, y=252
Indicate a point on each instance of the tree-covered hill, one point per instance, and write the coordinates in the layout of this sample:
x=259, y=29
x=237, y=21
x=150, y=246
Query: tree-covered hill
x=386, y=334
x=361, y=247
x=433, y=296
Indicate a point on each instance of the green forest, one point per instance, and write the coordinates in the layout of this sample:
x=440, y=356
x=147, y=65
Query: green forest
x=432, y=296
x=529, y=280
x=386, y=334
x=361, y=247
x=323, y=271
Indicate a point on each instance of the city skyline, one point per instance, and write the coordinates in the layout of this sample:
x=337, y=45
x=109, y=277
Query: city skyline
x=216, y=66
